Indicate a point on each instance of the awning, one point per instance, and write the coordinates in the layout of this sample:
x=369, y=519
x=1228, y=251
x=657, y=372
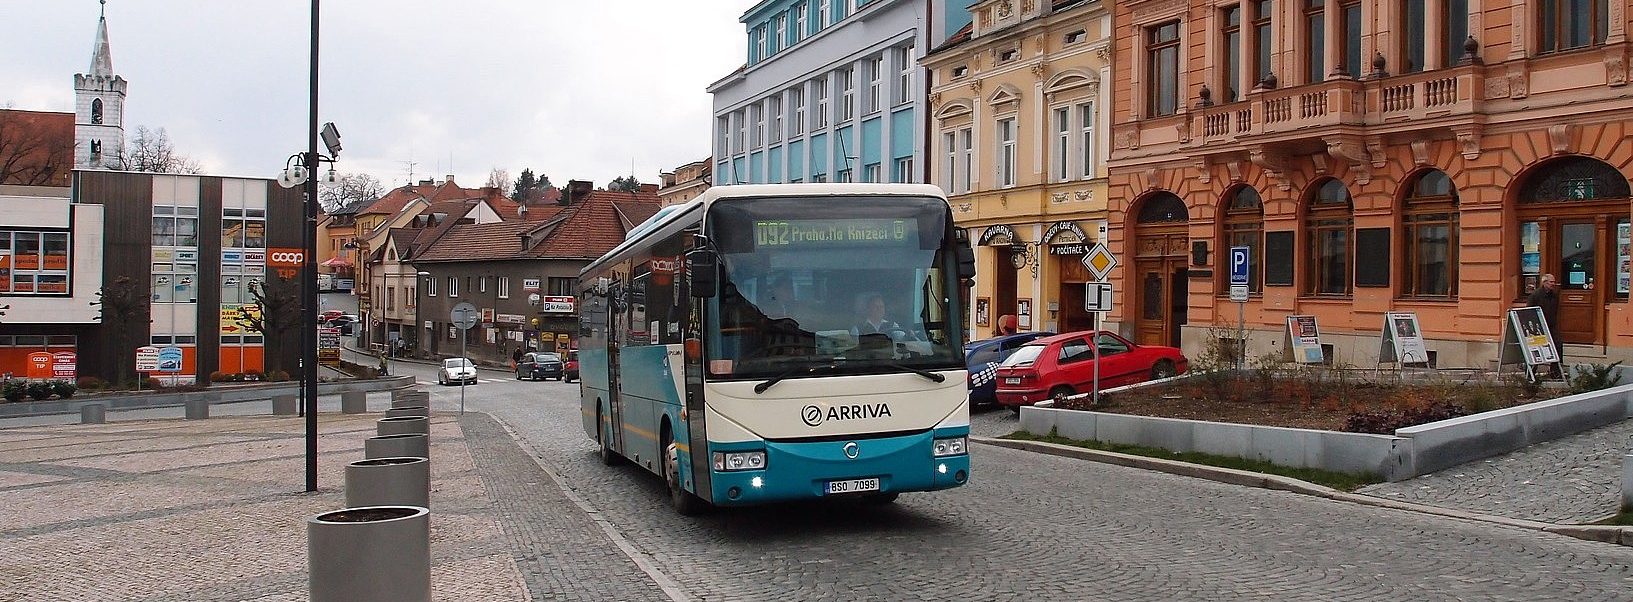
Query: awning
x=337, y=262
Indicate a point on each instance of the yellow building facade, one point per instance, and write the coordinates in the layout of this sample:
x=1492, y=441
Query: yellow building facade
x=1018, y=131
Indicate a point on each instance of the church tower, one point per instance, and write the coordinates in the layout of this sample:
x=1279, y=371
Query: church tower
x=99, y=107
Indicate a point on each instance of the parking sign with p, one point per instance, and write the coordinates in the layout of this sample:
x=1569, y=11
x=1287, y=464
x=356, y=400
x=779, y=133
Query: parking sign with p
x=1238, y=264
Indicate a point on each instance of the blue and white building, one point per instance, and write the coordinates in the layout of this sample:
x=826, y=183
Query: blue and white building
x=832, y=92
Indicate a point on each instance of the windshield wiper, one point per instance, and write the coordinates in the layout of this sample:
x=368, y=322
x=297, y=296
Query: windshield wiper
x=934, y=377
x=760, y=388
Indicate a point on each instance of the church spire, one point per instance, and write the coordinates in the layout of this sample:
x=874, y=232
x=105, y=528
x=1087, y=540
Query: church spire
x=101, y=57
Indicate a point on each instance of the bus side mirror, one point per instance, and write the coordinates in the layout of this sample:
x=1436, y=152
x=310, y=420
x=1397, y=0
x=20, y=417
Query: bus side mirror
x=703, y=265
x=966, y=255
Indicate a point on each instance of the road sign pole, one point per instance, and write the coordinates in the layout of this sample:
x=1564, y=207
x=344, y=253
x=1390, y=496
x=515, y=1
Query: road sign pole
x=1241, y=335
x=463, y=358
x=1094, y=344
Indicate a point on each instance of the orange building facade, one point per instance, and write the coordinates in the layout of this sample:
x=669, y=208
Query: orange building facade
x=1427, y=156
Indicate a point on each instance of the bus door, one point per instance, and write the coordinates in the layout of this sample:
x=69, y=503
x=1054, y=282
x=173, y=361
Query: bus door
x=617, y=328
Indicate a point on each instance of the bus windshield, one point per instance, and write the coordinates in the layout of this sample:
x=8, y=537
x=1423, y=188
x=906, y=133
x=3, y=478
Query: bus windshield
x=832, y=285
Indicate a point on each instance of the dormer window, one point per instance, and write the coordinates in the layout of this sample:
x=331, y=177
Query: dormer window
x=960, y=71
x=1076, y=36
x=1009, y=55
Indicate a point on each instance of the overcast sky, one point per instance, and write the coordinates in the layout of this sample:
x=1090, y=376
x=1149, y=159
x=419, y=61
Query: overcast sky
x=571, y=88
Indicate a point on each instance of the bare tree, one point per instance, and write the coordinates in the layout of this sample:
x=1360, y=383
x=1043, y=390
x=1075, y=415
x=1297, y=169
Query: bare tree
x=350, y=189
x=124, y=306
x=277, y=312
x=498, y=178
x=151, y=150
x=30, y=155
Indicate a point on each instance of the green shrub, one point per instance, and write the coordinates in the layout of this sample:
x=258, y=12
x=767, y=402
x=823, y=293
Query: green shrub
x=64, y=389
x=1593, y=377
x=40, y=390
x=14, y=390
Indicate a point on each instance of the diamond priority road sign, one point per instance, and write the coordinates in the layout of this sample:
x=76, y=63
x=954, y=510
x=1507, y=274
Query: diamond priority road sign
x=1099, y=261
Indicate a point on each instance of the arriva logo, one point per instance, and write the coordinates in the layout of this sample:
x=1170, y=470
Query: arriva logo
x=815, y=416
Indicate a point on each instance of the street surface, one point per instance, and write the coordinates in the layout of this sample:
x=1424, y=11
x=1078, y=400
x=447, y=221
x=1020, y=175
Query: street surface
x=1028, y=526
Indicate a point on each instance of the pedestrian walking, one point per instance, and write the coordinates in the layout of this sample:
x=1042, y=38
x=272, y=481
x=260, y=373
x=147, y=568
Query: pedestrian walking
x=1546, y=296
x=516, y=358
x=1006, y=324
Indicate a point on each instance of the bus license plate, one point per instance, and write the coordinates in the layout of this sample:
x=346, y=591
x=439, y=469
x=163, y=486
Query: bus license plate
x=1013, y=380
x=853, y=486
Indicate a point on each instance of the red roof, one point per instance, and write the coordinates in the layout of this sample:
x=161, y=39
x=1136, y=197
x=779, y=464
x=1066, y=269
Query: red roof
x=586, y=229
x=36, y=148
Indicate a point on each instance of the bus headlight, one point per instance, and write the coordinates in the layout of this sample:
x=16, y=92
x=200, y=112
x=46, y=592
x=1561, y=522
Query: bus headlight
x=729, y=461
x=950, y=447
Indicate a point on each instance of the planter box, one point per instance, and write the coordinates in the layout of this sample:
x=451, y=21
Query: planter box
x=370, y=554
x=389, y=482
x=230, y=394
x=1448, y=443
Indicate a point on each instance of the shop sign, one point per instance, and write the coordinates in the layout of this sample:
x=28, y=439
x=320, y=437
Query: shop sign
x=234, y=318
x=487, y=315
x=563, y=341
x=530, y=284
x=512, y=318
x=147, y=359
x=1304, y=340
x=1071, y=249
x=39, y=365
x=65, y=365
x=1064, y=233
x=663, y=270
x=1402, y=340
x=170, y=359
x=999, y=235
x=558, y=305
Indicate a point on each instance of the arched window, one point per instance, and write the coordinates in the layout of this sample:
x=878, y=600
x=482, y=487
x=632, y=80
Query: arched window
x=1573, y=221
x=96, y=111
x=1429, y=221
x=1244, y=227
x=1329, y=223
x=1163, y=208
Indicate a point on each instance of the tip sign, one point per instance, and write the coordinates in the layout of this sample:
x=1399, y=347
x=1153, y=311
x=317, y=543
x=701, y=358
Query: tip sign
x=1239, y=257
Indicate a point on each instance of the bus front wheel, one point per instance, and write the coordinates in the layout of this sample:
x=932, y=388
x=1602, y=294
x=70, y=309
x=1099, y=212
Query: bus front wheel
x=683, y=500
x=608, y=457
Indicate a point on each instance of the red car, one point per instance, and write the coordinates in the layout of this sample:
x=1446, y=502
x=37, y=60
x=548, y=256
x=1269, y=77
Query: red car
x=1062, y=365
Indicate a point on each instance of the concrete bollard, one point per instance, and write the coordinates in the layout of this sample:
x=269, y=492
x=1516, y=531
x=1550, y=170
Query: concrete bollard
x=285, y=405
x=412, y=445
x=93, y=413
x=400, y=425
x=409, y=402
x=397, y=394
x=1627, y=483
x=354, y=402
x=409, y=411
x=389, y=482
x=198, y=409
x=375, y=553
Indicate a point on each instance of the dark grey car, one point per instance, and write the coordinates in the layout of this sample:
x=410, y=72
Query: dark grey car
x=539, y=366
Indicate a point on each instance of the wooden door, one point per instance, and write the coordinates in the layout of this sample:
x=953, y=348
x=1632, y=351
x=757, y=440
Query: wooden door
x=1158, y=288
x=1581, y=267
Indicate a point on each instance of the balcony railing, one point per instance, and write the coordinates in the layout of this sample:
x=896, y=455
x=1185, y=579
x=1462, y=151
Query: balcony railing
x=1339, y=102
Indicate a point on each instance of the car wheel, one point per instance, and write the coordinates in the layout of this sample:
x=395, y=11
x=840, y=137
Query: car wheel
x=518, y=376
x=682, y=500
x=608, y=457
x=1060, y=393
x=1163, y=369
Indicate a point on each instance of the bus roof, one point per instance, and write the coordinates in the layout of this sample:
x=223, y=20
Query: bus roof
x=719, y=193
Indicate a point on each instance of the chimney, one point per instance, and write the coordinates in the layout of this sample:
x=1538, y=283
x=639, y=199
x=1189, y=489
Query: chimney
x=576, y=191
x=648, y=189
x=427, y=182
x=449, y=179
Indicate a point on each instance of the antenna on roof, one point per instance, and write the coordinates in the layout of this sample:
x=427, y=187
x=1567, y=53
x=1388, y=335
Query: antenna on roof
x=409, y=165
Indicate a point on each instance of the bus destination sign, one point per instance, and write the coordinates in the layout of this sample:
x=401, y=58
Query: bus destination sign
x=833, y=232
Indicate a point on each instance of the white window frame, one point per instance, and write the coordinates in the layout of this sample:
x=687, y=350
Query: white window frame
x=504, y=287
x=949, y=175
x=724, y=138
x=844, y=175
x=904, y=81
x=774, y=106
x=759, y=43
x=796, y=97
x=847, y=94
x=742, y=132
x=1085, y=139
x=966, y=153
x=453, y=286
x=781, y=31
x=482, y=284
x=871, y=172
x=822, y=103
x=1006, y=152
x=876, y=68
x=823, y=13
x=800, y=11
x=1060, y=143
x=903, y=170
x=757, y=116
x=430, y=287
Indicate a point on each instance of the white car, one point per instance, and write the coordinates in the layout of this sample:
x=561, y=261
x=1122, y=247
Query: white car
x=456, y=370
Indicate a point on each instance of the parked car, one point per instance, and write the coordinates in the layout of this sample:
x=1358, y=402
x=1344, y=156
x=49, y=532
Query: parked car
x=456, y=370
x=329, y=315
x=1062, y=365
x=345, y=322
x=982, y=357
x=539, y=365
x=569, y=371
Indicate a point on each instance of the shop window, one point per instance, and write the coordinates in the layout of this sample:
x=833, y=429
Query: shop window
x=1429, y=218
x=1329, y=225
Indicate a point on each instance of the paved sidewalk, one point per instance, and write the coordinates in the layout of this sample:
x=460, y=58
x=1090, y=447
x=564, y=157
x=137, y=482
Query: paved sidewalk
x=1572, y=480
x=214, y=510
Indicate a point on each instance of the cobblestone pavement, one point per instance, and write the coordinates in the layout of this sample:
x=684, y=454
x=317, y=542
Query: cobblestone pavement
x=1036, y=527
x=1570, y=480
x=164, y=510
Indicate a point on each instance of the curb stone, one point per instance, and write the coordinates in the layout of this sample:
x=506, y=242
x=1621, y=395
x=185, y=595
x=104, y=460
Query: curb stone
x=1599, y=533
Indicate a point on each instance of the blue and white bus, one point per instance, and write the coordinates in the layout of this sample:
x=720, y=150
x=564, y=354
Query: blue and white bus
x=783, y=342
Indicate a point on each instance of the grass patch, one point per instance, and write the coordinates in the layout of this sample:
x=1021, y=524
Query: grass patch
x=1337, y=480
x=1624, y=519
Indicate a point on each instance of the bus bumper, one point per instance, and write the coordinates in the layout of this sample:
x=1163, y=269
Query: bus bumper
x=802, y=471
